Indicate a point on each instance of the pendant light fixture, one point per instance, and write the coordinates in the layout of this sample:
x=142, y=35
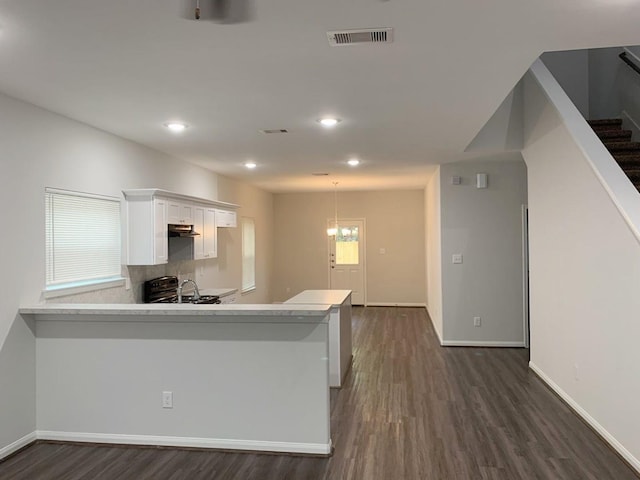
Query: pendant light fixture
x=332, y=231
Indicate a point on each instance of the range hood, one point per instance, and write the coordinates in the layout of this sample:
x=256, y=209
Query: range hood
x=182, y=231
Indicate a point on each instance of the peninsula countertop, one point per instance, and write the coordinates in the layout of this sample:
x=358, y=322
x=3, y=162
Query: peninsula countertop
x=146, y=312
x=320, y=297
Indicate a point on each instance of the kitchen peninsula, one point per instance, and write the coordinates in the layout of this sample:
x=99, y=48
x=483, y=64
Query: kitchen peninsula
x=244, y=377
x=339, y=328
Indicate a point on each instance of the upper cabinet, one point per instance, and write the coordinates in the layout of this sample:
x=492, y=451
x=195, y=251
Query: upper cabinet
x=205, y=245
x=180, y=213
x=150, y=211
x=210, y=237
x=226, y=218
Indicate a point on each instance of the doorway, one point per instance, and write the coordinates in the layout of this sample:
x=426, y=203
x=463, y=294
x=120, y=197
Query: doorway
x=347, y=259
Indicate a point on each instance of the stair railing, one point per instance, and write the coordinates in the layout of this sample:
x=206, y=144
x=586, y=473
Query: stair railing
x=624, y=56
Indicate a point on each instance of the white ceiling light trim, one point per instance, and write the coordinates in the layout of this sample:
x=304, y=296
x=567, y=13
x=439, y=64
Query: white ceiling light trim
x=250, y=165
x=329, y=122
x=353, y=162
x=176, y=127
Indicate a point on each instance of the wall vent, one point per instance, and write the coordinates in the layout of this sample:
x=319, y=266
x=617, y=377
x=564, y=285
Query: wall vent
x=319, y=174
x=352, y=37
x=274, y=130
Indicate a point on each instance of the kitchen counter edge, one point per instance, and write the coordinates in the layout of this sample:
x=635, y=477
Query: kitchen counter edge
x=206, y=313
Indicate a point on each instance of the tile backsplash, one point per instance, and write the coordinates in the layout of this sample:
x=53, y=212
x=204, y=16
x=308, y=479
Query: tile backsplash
x=137, y=276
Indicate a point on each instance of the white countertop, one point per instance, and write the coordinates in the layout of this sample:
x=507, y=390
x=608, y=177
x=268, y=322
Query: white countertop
x=146, y=312
x=320, y=297
x=220, y=292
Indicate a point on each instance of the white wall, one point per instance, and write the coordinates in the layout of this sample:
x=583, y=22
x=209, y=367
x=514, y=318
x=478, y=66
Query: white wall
x=41, y=149
x=485, y=226
x=434, y=255
x=246, y=382
x=584, y=269
x=503, y=131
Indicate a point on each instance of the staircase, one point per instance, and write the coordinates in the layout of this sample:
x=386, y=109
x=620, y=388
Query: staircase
x=619, y=144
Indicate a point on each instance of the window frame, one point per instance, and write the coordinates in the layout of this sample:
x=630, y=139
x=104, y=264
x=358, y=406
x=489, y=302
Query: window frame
x=252, y=287
x=87, y=284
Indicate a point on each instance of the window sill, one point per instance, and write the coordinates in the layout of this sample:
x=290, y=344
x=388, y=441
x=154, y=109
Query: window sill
x=82, y=287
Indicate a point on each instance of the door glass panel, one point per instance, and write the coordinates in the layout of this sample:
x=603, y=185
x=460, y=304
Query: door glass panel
x=347, y=241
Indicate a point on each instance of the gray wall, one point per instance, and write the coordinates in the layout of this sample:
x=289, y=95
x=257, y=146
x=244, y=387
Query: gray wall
x=41, y=149
x=598, y=83
x=605, y=71
x=571, y=69
x=485, y=226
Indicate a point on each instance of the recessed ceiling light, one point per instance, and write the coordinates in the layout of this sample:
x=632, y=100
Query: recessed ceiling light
x=354, y=162
x=176, y=126
x=329, y=122
x=250, y=165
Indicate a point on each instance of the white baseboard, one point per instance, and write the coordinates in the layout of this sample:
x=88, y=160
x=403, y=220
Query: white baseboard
x=17, y=445
x=592, y=422
x=392, y=304
x=192, y=442
x=630, y=124
x=434, y=325
x=456, y=343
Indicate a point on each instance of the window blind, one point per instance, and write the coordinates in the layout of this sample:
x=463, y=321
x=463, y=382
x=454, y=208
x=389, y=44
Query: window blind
x=248, y=254
x=82, y=238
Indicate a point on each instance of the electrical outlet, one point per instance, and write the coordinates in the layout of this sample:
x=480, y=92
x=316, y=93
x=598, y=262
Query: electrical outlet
x=167, y=399
x=477, y=322
x=288, y=289
x=456, y=258
x=576, y=372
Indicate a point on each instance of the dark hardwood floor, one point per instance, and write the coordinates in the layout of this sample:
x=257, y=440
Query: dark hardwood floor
x=410, y=410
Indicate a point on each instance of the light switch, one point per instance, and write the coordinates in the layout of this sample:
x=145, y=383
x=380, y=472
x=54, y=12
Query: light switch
x=456, y=258
x=383, y=251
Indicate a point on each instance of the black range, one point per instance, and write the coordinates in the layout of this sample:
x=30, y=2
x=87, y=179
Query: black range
x=165, y=290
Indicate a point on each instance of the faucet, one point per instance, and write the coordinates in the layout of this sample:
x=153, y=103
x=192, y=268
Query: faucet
x=196, y=293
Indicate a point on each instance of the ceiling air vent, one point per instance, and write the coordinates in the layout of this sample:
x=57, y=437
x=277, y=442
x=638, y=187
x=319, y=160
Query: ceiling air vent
x=351, y=37
x=319, y=174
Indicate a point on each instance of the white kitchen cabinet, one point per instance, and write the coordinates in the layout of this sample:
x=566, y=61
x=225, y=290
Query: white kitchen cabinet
x=205, y=245
x=226, y=218
x=150, y=211
x=198, y=226
x=161, y=237
x=146, y=232
x=210, y=234
x=180, y=213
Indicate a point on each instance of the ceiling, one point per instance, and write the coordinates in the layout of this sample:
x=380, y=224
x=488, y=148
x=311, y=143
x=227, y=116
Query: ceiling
x=127, y=67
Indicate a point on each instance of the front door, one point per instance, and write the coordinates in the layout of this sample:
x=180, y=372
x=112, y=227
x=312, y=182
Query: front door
x=346, y=259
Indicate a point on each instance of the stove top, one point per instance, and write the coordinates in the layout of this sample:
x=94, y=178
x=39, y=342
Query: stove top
x=165, y=290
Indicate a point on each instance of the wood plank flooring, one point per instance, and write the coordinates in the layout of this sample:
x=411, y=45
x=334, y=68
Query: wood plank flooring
x=410, y=410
